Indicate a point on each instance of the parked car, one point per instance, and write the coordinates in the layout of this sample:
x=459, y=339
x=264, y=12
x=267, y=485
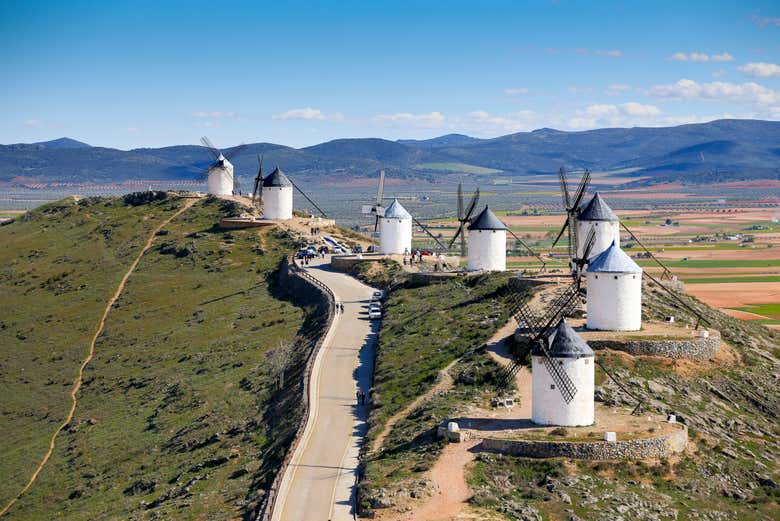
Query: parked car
x=377, y=296
x=323, y=249
x=357, y=249
x=311, y=250
x=370, y=249
x=339, y=249
x=301, y=254
x=375, y=313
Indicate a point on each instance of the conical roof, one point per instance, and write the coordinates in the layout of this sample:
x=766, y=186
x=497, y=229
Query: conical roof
x=564, y=342
x=613, y=260
x=486, y=220
x=396, y=211
x=276, y=178
x=597, y=210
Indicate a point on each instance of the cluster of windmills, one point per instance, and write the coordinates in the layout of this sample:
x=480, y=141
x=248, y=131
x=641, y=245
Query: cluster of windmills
x=273, y=194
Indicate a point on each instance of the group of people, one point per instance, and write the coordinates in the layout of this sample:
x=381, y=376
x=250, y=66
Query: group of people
x=307, y=258
x=314, y=230
x=360, y=396
x=415, y=255
x=339, y=307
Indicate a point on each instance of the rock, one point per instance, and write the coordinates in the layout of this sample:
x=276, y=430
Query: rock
x=659, y=388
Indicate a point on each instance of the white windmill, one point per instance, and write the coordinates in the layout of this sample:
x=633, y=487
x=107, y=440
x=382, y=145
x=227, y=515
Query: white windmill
x=395, y=230
x=600, y=218
x=219, y=174
x=487, y=243
x=614, y=291
x=562, y=378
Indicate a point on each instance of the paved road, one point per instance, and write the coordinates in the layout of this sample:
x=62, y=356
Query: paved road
x=319, y=483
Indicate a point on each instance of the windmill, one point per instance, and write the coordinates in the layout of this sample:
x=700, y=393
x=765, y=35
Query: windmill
x=219, y=174
x=257, y=192
x=572, y=204
x=464, y=218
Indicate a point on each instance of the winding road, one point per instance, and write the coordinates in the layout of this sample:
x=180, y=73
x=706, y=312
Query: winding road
x=318, y=484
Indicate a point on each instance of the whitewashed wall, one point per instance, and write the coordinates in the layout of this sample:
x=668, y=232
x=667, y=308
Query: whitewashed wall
x=614, y=304
x=606, y=232
x=220, y=181
x=278, y=202
x=547, y=404
x=487, y=250
x=395, y=235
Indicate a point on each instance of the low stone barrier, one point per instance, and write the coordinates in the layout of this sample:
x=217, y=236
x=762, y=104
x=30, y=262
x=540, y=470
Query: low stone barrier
x=696, y=348
x=347, y=262
x=659, y=447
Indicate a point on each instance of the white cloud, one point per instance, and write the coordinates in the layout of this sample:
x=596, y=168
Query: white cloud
x=617, y=89
x=751, y=93
x=701, y=57
x=213, y=115
x=612, y=115
x=612, y=53
x=33, y=123
x=429, y=120
x=515, y=92
x=760, y=70
x=763, y=21
x=719, y=73
x=309, y=113
x=132, y=130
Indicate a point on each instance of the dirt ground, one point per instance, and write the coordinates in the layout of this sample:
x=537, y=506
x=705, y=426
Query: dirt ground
x=735, y=294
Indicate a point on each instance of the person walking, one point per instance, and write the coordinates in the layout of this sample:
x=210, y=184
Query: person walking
x=357, y=396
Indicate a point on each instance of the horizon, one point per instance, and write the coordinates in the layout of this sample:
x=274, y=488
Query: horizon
x=142, y=75
x=399, y=140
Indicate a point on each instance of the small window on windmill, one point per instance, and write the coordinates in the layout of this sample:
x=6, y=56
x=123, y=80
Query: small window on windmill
x=634, y=276
x=597, y=276
x=552, y=386
x=560, y=362
x=586, y=361
x=615, y=277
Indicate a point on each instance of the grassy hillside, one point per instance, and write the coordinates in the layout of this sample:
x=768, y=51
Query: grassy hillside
x=423, y=330
x=174, y=417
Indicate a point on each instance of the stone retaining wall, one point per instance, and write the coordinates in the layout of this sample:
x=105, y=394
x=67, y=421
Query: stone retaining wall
x=694, y=349
x=347, y=262
x=597, y=450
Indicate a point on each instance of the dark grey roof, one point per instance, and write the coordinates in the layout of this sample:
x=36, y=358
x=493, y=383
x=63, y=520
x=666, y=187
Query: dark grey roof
x=613, y=260
x=276, y=178
x=564, y=342
x=597, y=210
x=486, y=220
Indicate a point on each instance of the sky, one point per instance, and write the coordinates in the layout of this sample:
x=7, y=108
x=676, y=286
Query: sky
x=129, y=74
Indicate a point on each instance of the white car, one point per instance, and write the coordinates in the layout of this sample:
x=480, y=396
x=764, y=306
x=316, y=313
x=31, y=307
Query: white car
x=374, y=313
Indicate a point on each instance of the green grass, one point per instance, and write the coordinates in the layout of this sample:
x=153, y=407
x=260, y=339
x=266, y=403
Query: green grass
x=746, y=263
x=722, y=280
x=178, y=393
x=768, y=310
x=457, y=167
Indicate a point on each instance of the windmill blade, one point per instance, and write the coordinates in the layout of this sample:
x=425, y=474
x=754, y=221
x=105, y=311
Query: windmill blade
x=562, y=380
x=560, y=233
x=521, y=241
x=472, y=205
x=380, y=189
x=376, y=223
x=210, y=146
x=572, y=236
x=666, y=271
x=258, y=190
x=463, y=244
x=307, y=197
x=589, y=243
x=581, y=189
x=564, y=188
x=426, y=230
x=455, y=237
x=235, y=152
x=460, y=202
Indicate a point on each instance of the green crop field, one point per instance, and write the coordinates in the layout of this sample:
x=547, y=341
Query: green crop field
x=457, y=167
x=721, y=280
x=746, y=263
x=173, y=418
x=768, y=310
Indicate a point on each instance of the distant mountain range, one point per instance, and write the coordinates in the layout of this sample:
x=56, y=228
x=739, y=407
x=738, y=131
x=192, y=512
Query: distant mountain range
x=719, y=150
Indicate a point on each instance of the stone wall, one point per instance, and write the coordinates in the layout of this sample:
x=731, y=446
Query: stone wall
x=694, y=349
x=347, y=262
x=597, y=450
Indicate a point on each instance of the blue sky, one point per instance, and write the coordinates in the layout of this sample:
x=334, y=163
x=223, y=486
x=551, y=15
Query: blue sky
x=131, y=74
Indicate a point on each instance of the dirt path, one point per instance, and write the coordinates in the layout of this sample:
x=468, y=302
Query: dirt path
x=448, y=474
x=79, y=377
x=445, y=382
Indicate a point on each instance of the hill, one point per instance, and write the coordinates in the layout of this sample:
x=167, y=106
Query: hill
x=723, y=149
x=429, y=369
x=180, y=414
